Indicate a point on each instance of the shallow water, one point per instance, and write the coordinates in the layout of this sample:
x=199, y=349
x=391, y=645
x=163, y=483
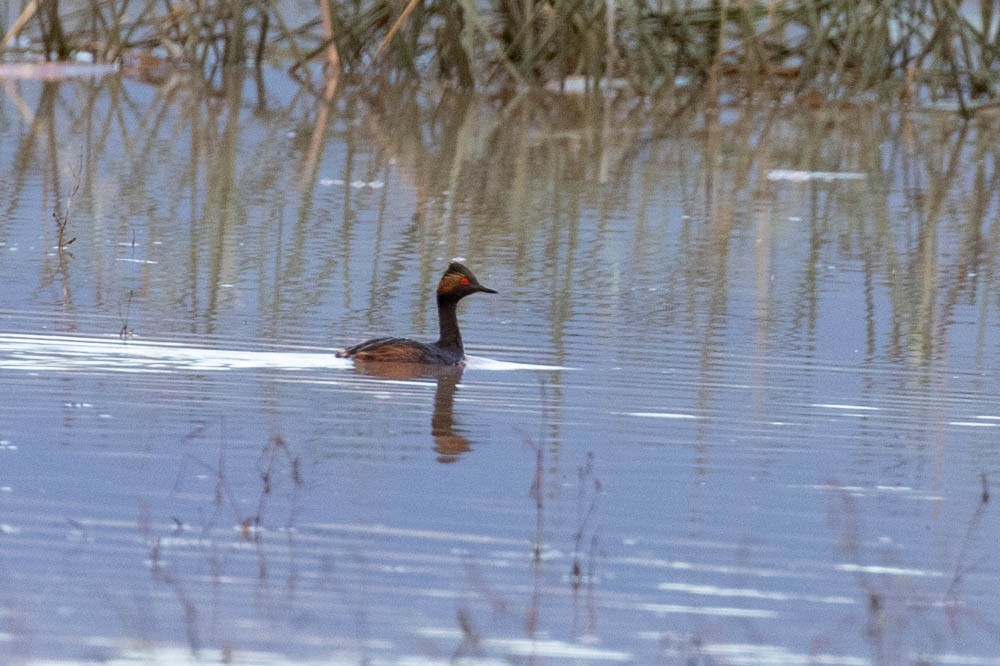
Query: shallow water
x=735, y=401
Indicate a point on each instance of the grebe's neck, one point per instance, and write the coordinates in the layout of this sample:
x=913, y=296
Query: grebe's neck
x=448, y=322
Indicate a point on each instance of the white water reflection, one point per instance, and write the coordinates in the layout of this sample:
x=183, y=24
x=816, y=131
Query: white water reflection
x=60, y=352
x=750, y=593
x=538, y=648
x=480, y=363
x=661, y=415
x=800, y=176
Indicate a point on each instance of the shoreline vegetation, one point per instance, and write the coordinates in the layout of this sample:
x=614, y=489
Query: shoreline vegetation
x=940, y=53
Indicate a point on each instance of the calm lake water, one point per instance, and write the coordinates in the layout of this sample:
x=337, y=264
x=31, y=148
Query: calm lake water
x=735, y=402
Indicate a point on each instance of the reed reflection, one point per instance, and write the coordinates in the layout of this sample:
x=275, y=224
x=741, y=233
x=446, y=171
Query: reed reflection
x=450, y=440
x=252, y=201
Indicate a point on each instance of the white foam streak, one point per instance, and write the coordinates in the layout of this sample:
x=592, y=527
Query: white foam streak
x=31, y=352
x=480, y=363
x=61, y=352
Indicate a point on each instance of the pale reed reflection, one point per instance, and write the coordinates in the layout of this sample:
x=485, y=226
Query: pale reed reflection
x=532, y=169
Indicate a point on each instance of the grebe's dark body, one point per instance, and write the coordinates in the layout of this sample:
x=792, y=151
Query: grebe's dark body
x=456, y=283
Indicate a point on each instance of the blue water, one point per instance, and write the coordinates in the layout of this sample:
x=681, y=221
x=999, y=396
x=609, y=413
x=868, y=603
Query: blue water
x=726, y=408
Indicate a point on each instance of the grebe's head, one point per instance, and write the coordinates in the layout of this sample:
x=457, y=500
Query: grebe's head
x=458, y=282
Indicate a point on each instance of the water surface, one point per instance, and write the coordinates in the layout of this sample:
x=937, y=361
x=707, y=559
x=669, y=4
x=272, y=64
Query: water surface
x=734, y=403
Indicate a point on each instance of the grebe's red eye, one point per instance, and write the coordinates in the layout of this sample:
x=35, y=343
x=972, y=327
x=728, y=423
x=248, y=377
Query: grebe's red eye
x=465, y=282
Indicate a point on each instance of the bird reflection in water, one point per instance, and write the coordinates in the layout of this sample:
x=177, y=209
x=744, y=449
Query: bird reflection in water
x=450, y=441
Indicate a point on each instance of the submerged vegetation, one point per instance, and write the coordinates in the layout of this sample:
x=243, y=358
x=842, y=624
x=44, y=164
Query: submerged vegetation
x=936, y=48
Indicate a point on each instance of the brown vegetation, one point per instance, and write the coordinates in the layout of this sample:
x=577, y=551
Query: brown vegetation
x=929, y=47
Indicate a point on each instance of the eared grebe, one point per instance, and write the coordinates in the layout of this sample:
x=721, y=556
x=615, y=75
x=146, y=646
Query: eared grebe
x=456, y=283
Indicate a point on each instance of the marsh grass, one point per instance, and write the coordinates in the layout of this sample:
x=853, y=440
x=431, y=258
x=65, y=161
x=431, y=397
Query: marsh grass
x=903, y=617
x=280, y=473
x=933, y=48
x=62, y=215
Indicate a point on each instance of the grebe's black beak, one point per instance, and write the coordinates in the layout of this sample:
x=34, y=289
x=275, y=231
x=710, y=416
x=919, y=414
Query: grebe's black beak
x=486, y=290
